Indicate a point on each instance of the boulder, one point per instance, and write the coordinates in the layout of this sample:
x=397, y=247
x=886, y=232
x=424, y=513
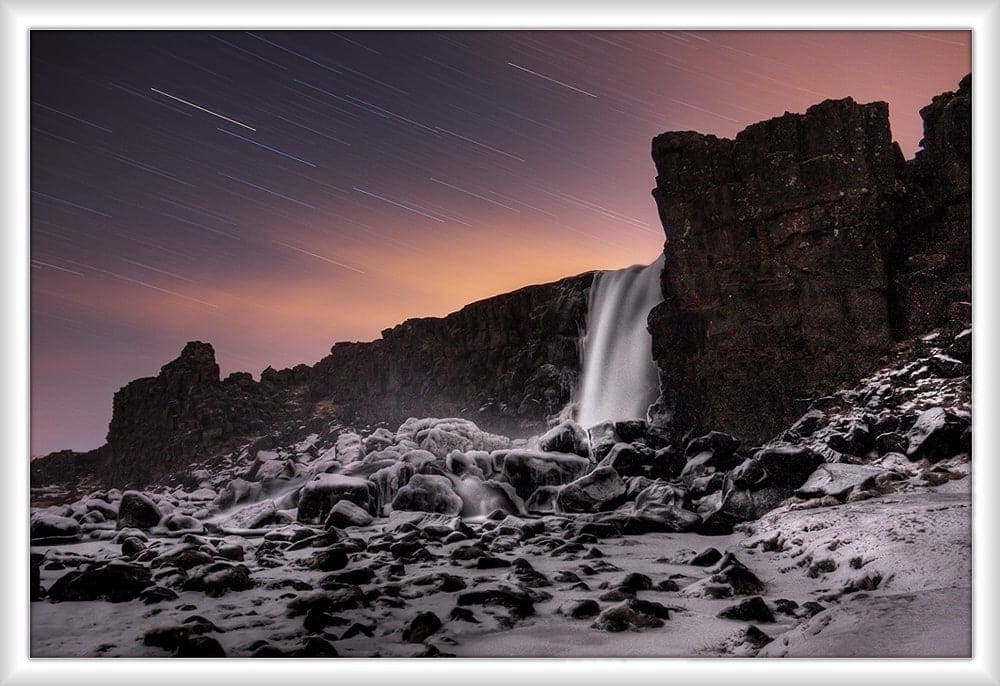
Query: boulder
x=46, y=526
x=937, y=434
x=114, y=581
x=601, y=489
x=138, y=511
x=421, y=627
x=566, y=437
x=526, y=470
x=837, y=480
x=786, y=465
x=318, y=496
x=637, y=459
x=345, y=513
x=750, y=610
x=252, y=516
x=428, y=493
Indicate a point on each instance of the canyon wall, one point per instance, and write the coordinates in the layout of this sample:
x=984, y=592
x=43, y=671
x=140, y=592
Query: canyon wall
x=798, y=252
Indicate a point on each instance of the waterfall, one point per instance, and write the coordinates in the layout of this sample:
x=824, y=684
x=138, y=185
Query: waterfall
x=619, y=379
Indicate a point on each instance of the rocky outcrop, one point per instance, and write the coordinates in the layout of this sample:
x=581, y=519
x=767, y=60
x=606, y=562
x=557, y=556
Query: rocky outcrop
x=931, y=265
x=798, y=252
x=509, y=362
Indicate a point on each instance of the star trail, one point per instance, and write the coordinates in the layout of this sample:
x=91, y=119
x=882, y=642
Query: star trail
x=274, y=192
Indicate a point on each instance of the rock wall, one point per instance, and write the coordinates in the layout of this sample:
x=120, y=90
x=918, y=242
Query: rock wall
x=932, y=261
x=798, y=252
x=508, y=362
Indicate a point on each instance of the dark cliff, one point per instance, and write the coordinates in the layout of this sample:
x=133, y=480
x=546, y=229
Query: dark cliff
x=508, y=362
x=797, y=253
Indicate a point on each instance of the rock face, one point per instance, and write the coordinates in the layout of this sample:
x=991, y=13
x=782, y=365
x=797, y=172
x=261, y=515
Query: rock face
x=931, y=266
x=797, y=252
x=509, y=362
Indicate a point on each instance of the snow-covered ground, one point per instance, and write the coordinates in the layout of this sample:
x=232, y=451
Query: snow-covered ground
x=917, y=543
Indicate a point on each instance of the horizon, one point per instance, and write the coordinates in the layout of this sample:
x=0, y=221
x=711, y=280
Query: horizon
x=410, y=174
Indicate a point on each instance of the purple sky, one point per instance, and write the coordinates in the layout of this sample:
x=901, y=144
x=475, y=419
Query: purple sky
x=274, y=192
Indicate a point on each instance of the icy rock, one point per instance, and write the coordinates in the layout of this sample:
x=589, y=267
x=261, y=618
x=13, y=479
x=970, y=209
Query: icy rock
x=379, y=439
x=389, y=480
x=100, y=505
x=345, y=513
x=601, y=489
x=49, y=526
x=181, y=522
x=526, y=470
x=938, y=433
x=459, y=463
x=237, y=491
x=837, y=480
x=252, y=516
x=428, y=493
x=318, y=496
x=636, y=459
x=543, y=499
x=658, y=494
x=348, y=447
x=566, y=437
x=602, y=439
x=138, y=511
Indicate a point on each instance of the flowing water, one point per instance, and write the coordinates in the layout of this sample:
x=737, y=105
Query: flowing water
x=619, y=379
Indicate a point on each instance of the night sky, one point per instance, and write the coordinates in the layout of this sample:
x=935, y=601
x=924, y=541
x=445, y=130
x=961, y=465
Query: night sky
x=274, y=192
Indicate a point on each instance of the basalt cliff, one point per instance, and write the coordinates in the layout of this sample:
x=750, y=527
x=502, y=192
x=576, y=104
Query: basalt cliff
x=799, y=252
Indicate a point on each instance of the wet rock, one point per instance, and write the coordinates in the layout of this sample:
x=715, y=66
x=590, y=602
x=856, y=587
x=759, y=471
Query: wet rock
x=421, y=627
x=137, y=510
x=566, y=437
x=252, y=516
x=750, y=610
x=601, y=489
x=527, y=470
x=527, y=576
x=428, y=493
x=637, y=459
x=345, y=513
x=543, y=499
x=318, y=496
